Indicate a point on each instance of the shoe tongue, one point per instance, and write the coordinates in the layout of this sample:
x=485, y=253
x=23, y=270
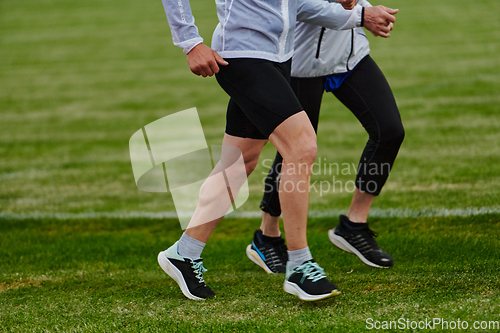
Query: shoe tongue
x=312, y=261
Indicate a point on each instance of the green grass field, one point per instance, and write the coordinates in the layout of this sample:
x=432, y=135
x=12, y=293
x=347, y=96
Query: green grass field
x=79, y=241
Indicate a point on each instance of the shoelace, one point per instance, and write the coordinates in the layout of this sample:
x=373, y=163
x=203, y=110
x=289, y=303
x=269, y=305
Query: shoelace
x=279, y=247
x=371, y=232
x=311, y=271
x=371, y=237
x=199, y=269
x=365, y=240
x=275, y=254
x=282, y=249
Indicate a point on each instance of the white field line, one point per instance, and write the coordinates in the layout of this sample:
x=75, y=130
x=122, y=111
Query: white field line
x=396, y=212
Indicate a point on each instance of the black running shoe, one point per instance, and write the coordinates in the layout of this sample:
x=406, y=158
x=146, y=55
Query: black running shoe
x=360, y=242
x=308, y=281
x=271, y=256
x=188, y=273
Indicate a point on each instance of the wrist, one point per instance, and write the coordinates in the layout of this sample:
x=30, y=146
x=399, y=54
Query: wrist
x=362, y=16
x=192, y=45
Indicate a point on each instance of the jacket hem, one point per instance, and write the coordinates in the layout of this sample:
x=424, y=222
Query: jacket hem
x=256, y=55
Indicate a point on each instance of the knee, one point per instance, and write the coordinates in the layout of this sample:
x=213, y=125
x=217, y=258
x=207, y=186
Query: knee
x=305, y=152
x=393, y=135
x=398, y=135
x=310, y=152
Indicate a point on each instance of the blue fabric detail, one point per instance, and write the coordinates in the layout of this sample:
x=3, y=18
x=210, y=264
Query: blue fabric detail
x=258, y=252
x=333, y=82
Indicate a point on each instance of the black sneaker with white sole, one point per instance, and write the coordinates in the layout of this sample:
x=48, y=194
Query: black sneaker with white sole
x=271, y=256
x=308, y=281
x=188, y=273
x=361, y=242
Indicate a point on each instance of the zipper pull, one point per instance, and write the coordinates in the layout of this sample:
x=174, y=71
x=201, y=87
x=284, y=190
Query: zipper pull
x=315, y=63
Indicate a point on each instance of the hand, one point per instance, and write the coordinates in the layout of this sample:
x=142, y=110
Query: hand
x=348, y=4
x=379, y=20
x=204, y=61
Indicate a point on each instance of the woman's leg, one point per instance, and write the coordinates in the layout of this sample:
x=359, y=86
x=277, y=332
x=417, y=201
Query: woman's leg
x=369, y=97
x=201, y=229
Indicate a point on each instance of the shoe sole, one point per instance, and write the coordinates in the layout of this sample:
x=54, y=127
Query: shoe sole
x=254, y=256
x=344, y=245
x=176, y=274
x=293, y=289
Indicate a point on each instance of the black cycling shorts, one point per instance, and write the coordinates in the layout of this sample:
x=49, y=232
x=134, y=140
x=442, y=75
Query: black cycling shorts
x=261, y=96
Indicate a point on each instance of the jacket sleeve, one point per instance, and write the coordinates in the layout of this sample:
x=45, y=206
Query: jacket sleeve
x=181, y=21
x=328, y=14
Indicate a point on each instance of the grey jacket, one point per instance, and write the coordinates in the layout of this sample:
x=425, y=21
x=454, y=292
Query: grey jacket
x=320, y=51
x=257, y=28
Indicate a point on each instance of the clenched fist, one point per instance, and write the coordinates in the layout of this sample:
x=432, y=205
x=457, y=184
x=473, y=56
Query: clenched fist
x=204, y=61
x=379, y=20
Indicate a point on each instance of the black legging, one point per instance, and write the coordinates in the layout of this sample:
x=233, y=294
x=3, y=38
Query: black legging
x=368, y=95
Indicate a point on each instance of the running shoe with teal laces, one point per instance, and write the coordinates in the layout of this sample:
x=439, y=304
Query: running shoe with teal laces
x=271, y=256
x=308, y=281
x=188, y=273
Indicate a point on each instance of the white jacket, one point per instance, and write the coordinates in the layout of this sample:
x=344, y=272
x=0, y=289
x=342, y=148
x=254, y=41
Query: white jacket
x=257, y=28
x=320, y=51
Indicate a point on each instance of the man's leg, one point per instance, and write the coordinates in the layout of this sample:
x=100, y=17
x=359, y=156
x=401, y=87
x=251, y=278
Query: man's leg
x=267, y=240
x=295, y=139
x=182, y=261
x=268, y=249
x=262, y=91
